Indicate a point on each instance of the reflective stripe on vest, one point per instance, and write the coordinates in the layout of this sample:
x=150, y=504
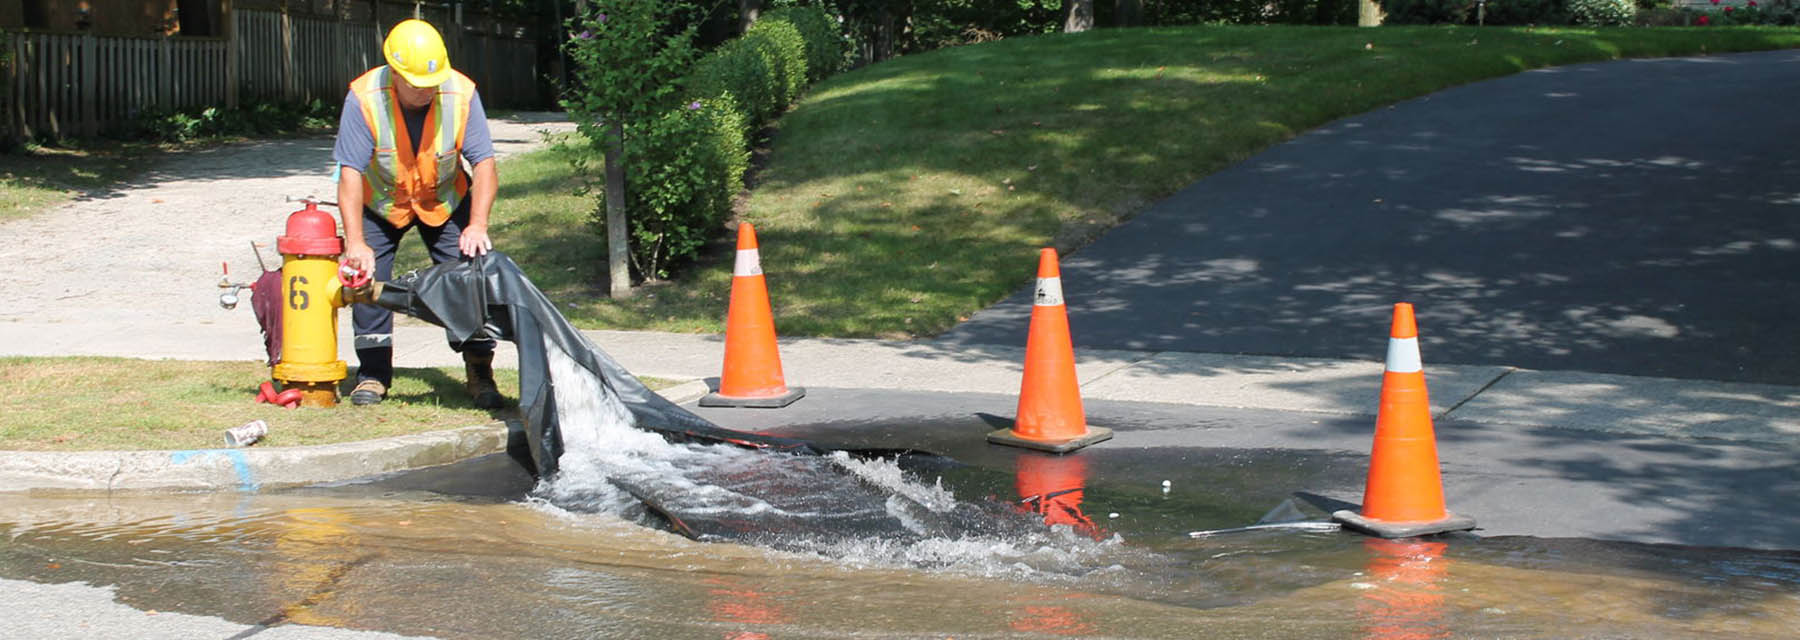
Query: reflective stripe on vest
x=415, y=181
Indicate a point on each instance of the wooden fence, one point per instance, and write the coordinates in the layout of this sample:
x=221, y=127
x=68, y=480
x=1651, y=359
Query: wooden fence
x=77, y=85
x=62, y=85
x=283, y=58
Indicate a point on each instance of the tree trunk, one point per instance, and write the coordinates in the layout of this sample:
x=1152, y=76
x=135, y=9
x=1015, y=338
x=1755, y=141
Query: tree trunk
x=748, y=12
x=1128, y=13
x=618, y=247
x=1080, y=16
x=1369, y=14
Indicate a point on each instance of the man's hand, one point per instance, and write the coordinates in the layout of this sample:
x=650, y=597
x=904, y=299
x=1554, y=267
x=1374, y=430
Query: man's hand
x=485, y=184
x=358, y=255
x=474, y=241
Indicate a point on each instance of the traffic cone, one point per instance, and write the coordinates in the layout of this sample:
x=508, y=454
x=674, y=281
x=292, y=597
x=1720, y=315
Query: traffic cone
x=1404, y=496
x=1050, y=414
x=752, y=376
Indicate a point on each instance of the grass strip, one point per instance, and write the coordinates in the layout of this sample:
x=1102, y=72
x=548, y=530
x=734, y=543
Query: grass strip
x=38, y=178
x=88, y=403
x=901, y=197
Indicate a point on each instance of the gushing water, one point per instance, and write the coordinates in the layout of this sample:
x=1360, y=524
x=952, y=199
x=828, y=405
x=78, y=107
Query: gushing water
x=855, y=511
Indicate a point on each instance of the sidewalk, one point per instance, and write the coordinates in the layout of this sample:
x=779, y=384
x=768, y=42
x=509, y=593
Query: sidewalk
x=1547, y=454
x=1481, y=394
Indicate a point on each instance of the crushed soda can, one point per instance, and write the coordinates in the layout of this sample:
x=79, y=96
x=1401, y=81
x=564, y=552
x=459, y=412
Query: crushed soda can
x=246, y=434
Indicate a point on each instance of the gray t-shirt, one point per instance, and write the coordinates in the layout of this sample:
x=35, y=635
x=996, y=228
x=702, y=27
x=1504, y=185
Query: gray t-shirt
x=356, y=144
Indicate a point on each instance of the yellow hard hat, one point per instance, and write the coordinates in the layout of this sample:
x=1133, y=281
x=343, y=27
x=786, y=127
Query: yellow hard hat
x=415, y=51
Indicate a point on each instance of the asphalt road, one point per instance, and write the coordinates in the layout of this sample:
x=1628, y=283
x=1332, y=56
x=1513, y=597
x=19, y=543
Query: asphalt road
x=1540, y=482
x=1638, y=217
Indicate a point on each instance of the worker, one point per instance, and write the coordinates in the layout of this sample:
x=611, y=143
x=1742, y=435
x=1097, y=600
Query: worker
x=413, y=151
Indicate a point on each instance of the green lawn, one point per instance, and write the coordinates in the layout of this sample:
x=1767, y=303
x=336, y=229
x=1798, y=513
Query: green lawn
x=905, y=195
x=36, y=179
x=75, y=404
x=82, y=403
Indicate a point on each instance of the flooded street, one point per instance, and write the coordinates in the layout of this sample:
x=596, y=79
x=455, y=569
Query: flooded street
x=476, y=558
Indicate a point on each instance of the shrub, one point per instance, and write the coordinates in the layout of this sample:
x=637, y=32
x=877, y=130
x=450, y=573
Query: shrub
x=1427, y=11
x=686, y=167
x=735, y=69
x=780, y=43
x=763, y=72
x=1751, y=13
x=259, y=119
x=827, y=50
x=1603, y=13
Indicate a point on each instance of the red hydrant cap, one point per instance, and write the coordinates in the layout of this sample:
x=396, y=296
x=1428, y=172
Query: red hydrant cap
x=310, y=232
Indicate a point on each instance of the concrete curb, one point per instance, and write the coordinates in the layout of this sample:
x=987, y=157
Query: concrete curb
x=248, y=469
x=686, y=392
x=253, y=469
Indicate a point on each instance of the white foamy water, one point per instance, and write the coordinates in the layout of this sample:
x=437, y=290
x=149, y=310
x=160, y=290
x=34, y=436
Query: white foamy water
x=864, y=513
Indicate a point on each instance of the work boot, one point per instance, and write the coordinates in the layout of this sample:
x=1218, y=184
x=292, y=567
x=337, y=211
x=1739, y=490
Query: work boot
x=368, y=391
x=479, y=367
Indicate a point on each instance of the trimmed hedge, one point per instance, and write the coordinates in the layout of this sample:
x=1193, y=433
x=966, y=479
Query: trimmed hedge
x=767, y=68
x=827, y=51
x=685, y=168
x=1603, y=13
x=753, y=72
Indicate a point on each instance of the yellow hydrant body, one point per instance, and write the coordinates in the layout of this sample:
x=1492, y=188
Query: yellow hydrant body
x=310, y=297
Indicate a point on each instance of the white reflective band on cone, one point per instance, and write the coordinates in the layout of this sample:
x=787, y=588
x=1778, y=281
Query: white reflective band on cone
x=1403, y=355
x=748, y=263
x=1049, y=292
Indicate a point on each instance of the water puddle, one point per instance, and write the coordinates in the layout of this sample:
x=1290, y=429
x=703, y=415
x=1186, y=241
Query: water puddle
x=423, y=563
x=638, y=537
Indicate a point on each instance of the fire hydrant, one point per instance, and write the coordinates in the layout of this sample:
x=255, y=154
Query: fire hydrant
x=311, y=294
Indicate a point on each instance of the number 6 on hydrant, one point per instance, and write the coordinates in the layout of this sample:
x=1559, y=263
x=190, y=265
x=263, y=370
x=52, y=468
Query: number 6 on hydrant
x=311, y=293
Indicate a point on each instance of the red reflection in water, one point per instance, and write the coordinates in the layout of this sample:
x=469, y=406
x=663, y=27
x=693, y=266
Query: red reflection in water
x=1407, y=599
x=728, y=602
x=1052, y=486
x=1061, y=621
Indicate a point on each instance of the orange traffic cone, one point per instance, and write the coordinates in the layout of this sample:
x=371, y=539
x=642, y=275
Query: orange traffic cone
x=752, y=376
x=1050, y=414
x=1404, y=496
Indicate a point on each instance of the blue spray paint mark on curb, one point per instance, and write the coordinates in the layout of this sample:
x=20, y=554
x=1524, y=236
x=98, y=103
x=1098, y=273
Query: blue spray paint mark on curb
x=239, y=462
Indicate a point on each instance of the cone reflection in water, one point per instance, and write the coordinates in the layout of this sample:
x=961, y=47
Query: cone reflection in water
x=1053, y=487
x=1404, y=495
x=752, y=374
x=1050, y=416
x=1405, y=595
x=730, y=602
x=1052, y=619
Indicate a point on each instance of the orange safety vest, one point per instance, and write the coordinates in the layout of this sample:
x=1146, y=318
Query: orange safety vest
x=422, y=181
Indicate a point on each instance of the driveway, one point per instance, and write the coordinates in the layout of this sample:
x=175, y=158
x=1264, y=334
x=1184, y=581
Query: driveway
x=1638, y=217
x=146, y=255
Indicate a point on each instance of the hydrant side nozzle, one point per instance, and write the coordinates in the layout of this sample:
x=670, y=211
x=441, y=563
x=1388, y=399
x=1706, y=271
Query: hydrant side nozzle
x=366, y=294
